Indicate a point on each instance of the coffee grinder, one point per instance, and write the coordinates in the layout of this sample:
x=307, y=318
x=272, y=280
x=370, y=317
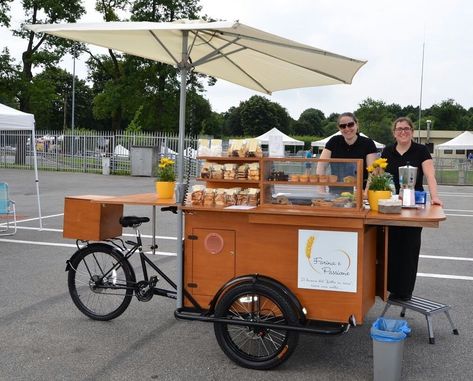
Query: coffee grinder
x=407, y=181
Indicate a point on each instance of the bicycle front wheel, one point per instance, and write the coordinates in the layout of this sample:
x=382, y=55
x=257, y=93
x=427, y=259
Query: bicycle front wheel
x=252, y=346
x=100, y=282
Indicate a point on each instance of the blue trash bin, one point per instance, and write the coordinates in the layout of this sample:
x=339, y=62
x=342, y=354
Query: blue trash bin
x=388, y=345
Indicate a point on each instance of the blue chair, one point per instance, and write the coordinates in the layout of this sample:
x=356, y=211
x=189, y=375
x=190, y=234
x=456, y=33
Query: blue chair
x=7, y=211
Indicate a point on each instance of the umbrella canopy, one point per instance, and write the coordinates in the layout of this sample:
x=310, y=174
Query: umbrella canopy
x=462, y=141
x=227, y=50
x=287, y=140
x=321, y=143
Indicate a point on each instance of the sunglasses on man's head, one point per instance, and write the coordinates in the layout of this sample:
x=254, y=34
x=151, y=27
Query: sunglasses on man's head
x=345, y=125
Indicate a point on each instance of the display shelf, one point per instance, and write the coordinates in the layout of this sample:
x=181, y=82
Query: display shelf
x=229, y=181
x=229, y=159
x=337, y=184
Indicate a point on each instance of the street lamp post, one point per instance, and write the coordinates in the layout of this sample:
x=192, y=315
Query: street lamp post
x=429, y=122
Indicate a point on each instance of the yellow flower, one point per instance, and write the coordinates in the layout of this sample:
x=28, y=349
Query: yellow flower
x=165, y=170
x=378, y=178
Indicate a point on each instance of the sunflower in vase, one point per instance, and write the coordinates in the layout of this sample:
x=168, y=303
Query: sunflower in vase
x=380, y=182
x=379, y=179
x=165, y=170
x=165, y=178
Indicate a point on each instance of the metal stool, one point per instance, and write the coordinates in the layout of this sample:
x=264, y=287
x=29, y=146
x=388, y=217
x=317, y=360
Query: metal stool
x=425, y=307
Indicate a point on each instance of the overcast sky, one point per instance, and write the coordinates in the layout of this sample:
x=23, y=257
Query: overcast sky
x=388, y=34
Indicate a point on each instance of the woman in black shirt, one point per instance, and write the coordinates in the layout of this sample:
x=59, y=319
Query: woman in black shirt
x=348, y=145
x=404, y=242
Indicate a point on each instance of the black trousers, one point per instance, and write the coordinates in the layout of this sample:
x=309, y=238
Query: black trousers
x=403, y=258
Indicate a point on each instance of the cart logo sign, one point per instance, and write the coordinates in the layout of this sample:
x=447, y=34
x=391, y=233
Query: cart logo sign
x=328, y=260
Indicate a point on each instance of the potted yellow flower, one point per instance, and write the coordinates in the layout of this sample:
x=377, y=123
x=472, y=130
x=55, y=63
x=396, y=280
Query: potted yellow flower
x=379, y=182
x=165, y=178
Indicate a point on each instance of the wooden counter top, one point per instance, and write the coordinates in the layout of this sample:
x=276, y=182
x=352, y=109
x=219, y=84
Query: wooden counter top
x=426, y=216
x=131, y=199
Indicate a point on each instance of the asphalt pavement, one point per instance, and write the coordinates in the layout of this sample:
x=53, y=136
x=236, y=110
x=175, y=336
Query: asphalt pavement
x=44, y=337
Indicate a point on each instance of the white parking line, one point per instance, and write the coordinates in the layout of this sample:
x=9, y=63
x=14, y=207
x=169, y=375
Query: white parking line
x=452, y=194
x=447, y=258
x=124, y=235
x=445, y=276
x=167, y=253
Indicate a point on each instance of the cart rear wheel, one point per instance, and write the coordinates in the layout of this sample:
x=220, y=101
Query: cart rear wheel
x=251, y=346
x=99, y=287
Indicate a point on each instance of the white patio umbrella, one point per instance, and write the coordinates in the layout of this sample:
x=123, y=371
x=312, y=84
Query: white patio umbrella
x=228, y=50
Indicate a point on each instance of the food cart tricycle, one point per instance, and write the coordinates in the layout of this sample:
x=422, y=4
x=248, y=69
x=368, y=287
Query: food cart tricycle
x=307, y=256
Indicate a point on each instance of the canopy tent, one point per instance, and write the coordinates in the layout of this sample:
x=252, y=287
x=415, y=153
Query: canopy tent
x=227, y=50
x=287, y=140
x=15, y=120
x=462, y=141
x=321, y=143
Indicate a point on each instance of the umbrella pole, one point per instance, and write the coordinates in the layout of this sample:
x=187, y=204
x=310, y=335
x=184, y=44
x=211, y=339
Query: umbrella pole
x=180, y=170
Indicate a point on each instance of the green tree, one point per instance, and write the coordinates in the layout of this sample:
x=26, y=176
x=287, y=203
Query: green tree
x=4, y=12
x=232, y=125
x=124, y=83
x=51, y=100
x=310, y=122
x=259, y=115
x=9, y=79
x=448, y=115
x=41, y=50
x=375, y=120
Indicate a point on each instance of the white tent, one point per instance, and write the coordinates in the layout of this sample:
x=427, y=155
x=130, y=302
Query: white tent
x=287, y=140
x=321, y=143
x=462, y=141
x=15, y=120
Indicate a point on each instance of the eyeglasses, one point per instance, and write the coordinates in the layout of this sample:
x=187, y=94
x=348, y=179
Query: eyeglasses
x=402, y=129
x=345, y=125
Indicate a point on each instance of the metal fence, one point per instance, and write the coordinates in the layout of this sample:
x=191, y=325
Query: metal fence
x=89, y=152
x=453, y=171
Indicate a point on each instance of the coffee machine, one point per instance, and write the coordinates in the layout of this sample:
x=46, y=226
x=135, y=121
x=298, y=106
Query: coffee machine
x=407, y=181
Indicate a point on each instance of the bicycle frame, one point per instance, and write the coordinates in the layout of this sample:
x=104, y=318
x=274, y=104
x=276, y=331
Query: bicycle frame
x=144, y=260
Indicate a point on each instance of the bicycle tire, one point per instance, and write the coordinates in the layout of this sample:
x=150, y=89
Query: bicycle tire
x=256, y=347
x=109, y=298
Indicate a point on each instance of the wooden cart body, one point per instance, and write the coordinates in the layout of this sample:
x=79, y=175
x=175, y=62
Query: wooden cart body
x=223, y=244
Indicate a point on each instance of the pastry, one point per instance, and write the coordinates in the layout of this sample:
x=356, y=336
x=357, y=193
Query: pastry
x=332, y=179
x=349, y=179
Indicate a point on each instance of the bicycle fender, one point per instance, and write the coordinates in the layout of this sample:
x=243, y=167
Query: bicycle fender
x=98, y=246
x=257, y=278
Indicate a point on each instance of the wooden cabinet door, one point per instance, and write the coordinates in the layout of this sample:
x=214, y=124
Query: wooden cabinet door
x=213, y=260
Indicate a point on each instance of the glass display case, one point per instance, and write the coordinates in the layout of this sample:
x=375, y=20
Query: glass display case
x=282, y=182
x=312, y=183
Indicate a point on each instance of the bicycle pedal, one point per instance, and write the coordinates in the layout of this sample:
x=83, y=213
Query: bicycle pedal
x=153, y=280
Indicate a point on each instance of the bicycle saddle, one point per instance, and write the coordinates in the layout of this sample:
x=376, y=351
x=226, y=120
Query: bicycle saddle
x=130, y=221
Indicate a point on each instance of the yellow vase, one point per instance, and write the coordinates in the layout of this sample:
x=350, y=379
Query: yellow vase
x=375, y=196
x=165, y=189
